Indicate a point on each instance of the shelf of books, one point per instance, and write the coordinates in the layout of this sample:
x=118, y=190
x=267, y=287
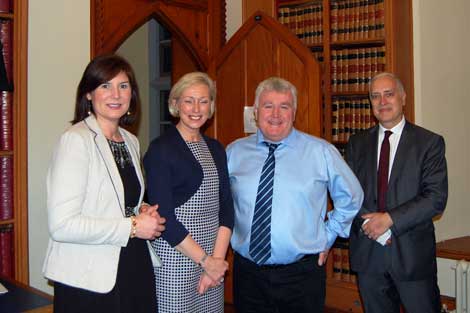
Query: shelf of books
x=6, y=141
x=351, y=33
x=353, y=40
x=13, y=235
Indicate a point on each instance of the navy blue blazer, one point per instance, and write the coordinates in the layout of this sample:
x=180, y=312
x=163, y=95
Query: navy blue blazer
x=174, y=175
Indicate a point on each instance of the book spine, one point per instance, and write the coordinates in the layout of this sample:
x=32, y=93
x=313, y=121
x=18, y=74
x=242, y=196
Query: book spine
x=6, y=192
x=6, y=120
x=337, y=260
x=6, y=251
x=6, y=37
x=5, y=6
x=380, y=18
x=334, y=120
x=334, y=21
x=334, y=70
x=371, y=18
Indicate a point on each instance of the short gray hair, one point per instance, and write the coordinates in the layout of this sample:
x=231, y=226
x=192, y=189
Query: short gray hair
x=276, y=84
x=392, y=76
x=188, y=80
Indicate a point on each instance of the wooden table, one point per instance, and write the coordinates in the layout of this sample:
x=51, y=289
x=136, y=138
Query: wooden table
x=454, y=249
x=23, y=298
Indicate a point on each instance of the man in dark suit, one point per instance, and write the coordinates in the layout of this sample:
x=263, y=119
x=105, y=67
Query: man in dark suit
x=404, y=178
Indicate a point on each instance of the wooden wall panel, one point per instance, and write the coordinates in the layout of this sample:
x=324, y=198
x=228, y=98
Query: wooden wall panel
x=199, y=24
x=259, y=60
x=230, y=97
x=183, y=61
x=249, y=7
x=292, y=68
x=260, y=49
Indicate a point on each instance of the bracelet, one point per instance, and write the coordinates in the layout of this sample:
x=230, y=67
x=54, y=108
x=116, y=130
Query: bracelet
x=134, y=226
x=201, y=263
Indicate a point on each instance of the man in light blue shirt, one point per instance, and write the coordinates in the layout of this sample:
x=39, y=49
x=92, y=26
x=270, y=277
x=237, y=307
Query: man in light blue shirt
x=292, y=276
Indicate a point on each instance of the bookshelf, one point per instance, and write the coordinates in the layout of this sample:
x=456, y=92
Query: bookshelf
x=13, y=158
x=351, y=40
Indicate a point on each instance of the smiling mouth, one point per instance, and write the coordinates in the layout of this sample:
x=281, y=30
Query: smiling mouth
x=275, y=123
x=195, y=118
x=114, y=105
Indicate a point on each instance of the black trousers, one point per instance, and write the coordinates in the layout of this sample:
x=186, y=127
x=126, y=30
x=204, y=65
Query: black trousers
x=381, y=292
x=297, y=287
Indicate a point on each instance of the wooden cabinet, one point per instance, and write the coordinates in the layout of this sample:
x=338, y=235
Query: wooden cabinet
x=351, y=40
x=13, y=144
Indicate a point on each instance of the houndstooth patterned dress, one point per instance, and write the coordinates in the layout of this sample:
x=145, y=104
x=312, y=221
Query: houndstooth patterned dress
x=178, y=278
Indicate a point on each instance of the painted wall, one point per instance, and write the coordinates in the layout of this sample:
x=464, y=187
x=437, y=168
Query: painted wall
x=135, y=50
x=442, y=91
x=441, y=67
x=59, y=50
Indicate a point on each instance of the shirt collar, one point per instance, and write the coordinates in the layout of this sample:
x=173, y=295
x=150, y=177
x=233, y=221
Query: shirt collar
x=397, y=129
x=288, y=141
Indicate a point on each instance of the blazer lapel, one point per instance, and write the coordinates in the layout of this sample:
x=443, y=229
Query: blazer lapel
x=371, y=165
x=405, y=143
x=108, y=159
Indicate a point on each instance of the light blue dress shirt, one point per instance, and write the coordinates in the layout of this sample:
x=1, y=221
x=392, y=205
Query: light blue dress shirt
x=307, y=168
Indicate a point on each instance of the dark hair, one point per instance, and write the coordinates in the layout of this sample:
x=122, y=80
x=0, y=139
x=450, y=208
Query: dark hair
x=101, y=70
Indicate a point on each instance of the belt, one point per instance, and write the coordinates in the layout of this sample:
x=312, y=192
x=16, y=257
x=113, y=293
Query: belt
x=305, y=258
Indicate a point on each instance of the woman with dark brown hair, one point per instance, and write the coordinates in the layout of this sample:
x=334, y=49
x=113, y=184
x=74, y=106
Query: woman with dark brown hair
x=98, y=254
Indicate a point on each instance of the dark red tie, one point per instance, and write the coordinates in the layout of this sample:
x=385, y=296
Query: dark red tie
x=382, y=176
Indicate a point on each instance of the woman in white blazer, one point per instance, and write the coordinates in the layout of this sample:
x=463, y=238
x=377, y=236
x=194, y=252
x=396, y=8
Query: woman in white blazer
x=98, y=254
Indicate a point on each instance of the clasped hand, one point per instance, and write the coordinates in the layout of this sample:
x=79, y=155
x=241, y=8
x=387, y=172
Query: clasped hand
x=150, y=224
x=377, y=225
x=213, y=274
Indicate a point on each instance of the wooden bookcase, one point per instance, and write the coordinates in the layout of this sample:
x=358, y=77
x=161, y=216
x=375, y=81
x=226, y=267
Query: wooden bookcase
x=352, y=40
x=13, y=143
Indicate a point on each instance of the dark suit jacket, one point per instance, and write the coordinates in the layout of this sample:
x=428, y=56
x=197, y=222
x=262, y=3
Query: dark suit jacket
x=173, y=175
x=417, y=192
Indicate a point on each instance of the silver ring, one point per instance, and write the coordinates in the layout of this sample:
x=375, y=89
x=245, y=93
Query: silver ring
x=222, y=280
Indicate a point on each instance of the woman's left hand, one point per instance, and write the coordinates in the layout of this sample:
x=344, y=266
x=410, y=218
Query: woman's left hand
x=205, y=282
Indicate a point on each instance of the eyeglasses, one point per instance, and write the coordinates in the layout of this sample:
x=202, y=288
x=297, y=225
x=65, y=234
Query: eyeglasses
x=193, y=101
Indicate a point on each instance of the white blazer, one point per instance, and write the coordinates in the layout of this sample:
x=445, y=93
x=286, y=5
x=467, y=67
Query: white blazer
x=85, y=203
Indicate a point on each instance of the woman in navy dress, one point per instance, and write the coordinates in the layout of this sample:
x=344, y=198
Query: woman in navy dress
x=187, y=176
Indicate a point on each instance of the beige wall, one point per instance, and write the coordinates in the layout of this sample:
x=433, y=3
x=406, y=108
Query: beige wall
x=135, y=50
x=59, y=50
x=442, y=67
x=59, y=45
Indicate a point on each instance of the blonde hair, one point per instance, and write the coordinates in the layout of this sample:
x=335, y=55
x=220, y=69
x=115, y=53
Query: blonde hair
x=188, y=80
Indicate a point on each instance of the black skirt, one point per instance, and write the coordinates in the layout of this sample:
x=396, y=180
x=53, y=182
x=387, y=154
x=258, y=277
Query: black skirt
x=134, y=291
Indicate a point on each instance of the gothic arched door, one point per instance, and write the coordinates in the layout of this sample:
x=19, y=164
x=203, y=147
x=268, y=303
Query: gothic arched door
x=259, y=49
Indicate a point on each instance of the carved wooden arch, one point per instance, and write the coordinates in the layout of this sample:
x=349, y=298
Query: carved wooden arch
x=259, y=49
x=198, y=24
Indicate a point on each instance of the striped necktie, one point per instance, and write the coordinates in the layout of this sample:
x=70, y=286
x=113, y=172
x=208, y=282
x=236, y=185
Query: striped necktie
x=260, y=243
